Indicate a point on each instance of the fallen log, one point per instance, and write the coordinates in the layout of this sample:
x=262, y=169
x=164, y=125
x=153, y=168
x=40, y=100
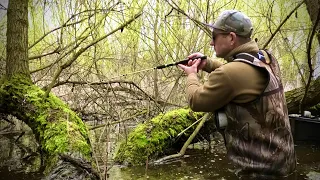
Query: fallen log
x=159, y=136
x=294, y=97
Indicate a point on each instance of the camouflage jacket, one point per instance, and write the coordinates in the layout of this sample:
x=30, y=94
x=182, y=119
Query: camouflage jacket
x=258, y=135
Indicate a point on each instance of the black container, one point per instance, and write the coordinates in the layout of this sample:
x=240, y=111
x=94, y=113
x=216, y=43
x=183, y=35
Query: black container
x=305, y=129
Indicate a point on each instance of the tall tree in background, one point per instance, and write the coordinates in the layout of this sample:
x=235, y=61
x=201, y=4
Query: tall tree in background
x=313, y=7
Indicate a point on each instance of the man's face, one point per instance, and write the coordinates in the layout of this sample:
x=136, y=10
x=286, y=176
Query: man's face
x=221, y=41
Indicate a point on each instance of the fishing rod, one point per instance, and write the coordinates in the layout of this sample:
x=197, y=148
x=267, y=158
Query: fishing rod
x=185, y=61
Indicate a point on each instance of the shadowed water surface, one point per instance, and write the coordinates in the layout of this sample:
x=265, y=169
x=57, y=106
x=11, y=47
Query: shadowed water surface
x=213, y=164
x=200, y=163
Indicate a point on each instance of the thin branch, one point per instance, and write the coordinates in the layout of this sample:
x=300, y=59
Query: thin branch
x=294, y=60
x=66, y=23
x=197, y=22
x=61, y=57
x=2, y=7
x=57, y=50
x=82, y=50
x=62, y=26
x=281, y=24
x=119, y=121
x=309, y=47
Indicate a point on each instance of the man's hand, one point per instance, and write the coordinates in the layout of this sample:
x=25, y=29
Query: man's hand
x=193, y=65
x=203, y=62
x=191, y=69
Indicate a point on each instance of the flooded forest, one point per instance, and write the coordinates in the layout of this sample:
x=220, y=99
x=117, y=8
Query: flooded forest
x=84, y=93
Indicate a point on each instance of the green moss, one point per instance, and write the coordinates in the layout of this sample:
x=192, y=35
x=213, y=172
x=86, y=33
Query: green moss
x=57, y=128
x=150, y=139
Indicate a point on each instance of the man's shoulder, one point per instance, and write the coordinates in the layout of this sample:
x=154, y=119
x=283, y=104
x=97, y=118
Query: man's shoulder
x=236, y=66
x=240, y=70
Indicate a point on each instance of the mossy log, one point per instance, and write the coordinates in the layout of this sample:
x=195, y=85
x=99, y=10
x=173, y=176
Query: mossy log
x=58, y=130
x=294, y=97
x=154, y=138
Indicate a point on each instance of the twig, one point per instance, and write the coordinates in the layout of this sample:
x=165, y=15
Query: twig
x=295, y=61
x=189, y=127
x=309, y=47
x=2, y=7
x=82, y=50
x=116, y=122
x=281, y=24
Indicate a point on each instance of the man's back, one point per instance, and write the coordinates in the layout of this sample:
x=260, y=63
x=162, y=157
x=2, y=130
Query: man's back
x=258, y=135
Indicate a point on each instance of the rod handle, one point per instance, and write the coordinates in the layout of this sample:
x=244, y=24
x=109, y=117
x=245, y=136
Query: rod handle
x=180, y=62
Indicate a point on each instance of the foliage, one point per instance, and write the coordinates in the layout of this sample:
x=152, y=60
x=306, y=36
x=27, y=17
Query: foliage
x=163, y=34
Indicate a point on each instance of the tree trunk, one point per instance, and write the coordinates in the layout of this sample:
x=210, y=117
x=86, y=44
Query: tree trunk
x=17, y=39
x=294, y=97
x=61, y=134
x=313, y=7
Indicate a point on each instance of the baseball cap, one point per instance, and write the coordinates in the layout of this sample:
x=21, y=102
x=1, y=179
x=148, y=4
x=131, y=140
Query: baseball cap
x=233, y=21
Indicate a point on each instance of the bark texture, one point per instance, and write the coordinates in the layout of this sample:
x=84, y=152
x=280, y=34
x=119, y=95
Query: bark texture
x=58, y=130
x=17, y=39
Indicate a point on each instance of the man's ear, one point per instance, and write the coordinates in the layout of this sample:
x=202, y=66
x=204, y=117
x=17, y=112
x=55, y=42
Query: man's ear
x=233, y=38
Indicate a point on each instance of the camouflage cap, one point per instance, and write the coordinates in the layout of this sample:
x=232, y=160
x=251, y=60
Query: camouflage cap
x=233, y=21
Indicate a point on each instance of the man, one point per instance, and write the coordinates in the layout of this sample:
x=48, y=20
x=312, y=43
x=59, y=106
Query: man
x=249, y=89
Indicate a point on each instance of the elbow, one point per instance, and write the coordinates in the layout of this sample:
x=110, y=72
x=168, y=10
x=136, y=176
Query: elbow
x=197, y=107
x=194, y=108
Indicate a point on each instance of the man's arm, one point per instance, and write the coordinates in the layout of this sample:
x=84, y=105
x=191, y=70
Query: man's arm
x=215, y=93
x=211, y=65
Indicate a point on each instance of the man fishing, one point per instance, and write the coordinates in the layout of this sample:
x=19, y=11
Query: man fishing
x=248, y=88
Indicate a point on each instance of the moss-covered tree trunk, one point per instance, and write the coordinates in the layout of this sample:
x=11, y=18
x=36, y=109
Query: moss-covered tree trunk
x=63, y=137
x=165, y=133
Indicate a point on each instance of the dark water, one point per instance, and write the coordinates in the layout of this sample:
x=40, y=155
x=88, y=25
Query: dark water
x=6, y=174
x=213, y=164
x=201, y=164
